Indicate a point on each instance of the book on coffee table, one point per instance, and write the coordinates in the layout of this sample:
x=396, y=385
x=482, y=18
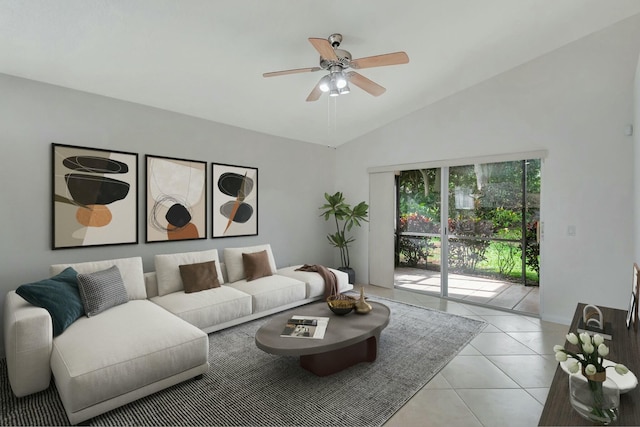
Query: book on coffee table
x=305, y=327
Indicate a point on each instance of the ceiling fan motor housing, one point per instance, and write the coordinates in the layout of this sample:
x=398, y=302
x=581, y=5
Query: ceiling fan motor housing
x=344, y=60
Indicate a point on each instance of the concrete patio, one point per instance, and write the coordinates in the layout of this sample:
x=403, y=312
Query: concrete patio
x=479, y=290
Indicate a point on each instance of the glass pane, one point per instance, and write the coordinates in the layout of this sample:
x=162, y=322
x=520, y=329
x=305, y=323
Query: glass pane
x=532, y=245
x=485, y=220
x=418, y=229
x=485, y=200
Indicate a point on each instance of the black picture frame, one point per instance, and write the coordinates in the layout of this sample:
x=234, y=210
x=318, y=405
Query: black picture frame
x=234, y=200
x=94, y=197
x=175, y=199
x=633, y=299
x=632, y=306
x=635, y=294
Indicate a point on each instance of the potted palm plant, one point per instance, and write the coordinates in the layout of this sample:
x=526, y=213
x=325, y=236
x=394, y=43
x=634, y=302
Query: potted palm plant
x=345, y=218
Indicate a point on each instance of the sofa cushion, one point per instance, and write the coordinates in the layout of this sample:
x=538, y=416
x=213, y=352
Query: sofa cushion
x=256, y=265
x=207, y=308
x=272, y=291
x=130, y=270
x=199, y=276
x=58, y=295
x=168, y=270
x=102, y=357
x=101, y=290
x=234, y=264
x=315, y=284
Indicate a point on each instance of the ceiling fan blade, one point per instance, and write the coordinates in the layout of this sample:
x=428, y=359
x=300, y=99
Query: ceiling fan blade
x=365, y=84
x=324, y=48
x=294, y=71
x=315, y=93
x=380, y=60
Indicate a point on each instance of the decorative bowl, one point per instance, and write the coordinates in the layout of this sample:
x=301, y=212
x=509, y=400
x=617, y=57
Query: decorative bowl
x=341, y=304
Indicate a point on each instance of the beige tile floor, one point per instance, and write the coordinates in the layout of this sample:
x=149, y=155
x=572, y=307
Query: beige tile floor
x=501, y=378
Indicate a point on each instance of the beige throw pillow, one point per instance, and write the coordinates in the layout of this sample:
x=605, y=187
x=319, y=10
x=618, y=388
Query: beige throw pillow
x=256, y=265
x=199, y=276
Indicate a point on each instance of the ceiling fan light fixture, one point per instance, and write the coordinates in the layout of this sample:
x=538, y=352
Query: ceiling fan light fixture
x=325, y=83
x=344, y=90
x=341, y=80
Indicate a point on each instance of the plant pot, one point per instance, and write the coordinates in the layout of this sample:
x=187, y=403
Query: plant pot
x=596, y=400
x=351, y=272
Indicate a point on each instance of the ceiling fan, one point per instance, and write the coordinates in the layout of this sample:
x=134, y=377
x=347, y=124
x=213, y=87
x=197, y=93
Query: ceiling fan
x=336, y=61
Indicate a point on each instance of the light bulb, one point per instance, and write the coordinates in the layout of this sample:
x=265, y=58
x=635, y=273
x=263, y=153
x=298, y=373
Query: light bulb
x=324, y=83
x=341, y=80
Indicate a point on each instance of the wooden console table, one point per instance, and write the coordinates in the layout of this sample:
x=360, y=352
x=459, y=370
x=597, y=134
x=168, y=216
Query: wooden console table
x=624, y=348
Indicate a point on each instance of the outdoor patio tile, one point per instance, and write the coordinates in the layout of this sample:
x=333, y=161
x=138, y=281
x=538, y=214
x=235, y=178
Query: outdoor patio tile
x=495, y=407
x=478, y=290
x=499, y=344
x=434, y=408
x=530, y=303
x=527, y=370
x=475, y=372
x=479, y=296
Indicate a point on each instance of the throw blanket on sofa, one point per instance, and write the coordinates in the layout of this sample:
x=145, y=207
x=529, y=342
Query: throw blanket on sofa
x=329, y=277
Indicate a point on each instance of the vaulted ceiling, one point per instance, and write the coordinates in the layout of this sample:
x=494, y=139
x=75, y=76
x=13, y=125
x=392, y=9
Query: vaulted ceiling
x=206, y=58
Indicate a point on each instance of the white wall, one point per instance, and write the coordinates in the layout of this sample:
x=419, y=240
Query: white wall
x=292, y=178
x=636, y=157
x=574, y=102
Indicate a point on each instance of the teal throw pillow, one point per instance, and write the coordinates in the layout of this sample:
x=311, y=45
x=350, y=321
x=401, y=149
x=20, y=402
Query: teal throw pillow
x=58, y=295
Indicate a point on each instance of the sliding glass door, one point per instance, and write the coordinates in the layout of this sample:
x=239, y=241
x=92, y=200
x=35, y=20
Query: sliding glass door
x=418, y=230
x=489, y=241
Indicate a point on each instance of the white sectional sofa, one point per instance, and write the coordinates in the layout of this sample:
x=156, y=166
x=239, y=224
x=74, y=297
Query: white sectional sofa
x=156, y=339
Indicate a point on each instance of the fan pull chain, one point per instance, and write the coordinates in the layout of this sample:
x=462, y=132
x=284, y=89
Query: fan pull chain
x=335, y=115
x=332, y=116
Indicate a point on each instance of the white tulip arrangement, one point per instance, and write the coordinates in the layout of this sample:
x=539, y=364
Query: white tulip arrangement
x=594, y=350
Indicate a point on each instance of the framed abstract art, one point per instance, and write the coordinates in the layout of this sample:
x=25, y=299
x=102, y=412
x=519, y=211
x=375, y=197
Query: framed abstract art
x=176, y=199
x=94, y=197
x=235, y=200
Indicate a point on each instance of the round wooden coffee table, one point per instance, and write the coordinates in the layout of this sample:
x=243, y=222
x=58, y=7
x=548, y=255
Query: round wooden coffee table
x=348, y=340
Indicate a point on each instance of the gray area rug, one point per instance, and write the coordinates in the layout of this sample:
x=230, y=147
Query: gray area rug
x=247, y=387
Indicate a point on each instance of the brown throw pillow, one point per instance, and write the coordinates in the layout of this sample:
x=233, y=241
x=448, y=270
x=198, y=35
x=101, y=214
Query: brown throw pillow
x=199, y=277
x=256, y=265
